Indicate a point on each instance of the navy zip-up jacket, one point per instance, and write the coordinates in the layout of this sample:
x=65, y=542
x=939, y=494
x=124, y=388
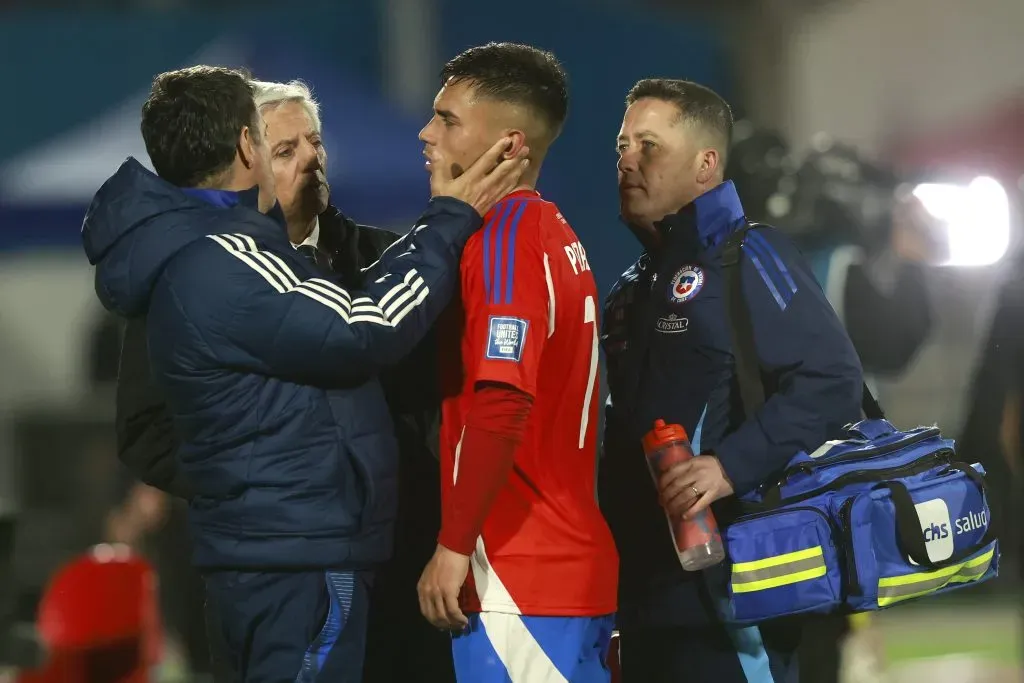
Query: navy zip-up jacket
x=269, y=368
x=668, y=347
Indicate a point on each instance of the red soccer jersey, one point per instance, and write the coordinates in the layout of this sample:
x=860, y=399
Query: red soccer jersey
x=527, y=317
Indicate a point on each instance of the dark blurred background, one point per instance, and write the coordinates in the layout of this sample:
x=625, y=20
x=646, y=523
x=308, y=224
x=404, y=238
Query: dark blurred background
x=886, y=135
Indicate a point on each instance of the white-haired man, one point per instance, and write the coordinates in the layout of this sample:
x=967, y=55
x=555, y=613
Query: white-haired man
x=299, y=162
x=299, y=158
x=323, y=234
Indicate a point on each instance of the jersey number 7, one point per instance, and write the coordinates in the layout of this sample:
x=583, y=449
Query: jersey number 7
x=589, y=318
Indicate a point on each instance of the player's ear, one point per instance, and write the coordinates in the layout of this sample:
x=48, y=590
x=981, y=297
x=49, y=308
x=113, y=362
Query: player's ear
x=518, y=139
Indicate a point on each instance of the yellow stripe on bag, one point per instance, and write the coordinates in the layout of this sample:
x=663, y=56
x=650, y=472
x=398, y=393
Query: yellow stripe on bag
x=892, y=589
x=776, y=560
x=778, y=570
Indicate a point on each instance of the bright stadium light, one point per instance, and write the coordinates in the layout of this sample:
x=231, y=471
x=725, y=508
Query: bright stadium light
x=976, y=216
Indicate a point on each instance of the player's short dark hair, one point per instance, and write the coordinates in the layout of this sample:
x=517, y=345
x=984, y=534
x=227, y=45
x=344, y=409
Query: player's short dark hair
x=697, y=104
x=518, y=74
x=192, y=119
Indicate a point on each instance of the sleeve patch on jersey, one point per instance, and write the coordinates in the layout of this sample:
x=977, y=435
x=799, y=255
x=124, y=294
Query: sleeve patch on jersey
x=506, y=337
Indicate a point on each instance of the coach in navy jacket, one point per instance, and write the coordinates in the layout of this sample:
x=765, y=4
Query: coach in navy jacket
x=270, y=369
x=667, y=340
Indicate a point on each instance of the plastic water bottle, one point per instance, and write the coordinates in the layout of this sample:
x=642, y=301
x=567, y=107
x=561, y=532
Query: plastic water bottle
x=698, y=541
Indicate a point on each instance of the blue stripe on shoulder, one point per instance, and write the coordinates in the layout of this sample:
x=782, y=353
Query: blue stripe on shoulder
x=510, y=252
x=499, y=257
x=755, y=249
x=770, y=250
x=496, y=218
x=767, y=280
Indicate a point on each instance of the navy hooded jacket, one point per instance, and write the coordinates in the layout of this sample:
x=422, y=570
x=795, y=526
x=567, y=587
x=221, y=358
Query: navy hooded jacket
x=268, y=366
x=669, y=353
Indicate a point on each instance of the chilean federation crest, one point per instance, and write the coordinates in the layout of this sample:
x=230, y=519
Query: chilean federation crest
x=687, y=281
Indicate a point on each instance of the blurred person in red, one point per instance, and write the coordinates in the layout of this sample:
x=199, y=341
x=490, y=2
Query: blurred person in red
x=100, y=620
x=153, y=523
x=525, y=570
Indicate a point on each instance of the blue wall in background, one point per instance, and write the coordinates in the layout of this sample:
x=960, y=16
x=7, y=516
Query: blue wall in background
x=73, y=67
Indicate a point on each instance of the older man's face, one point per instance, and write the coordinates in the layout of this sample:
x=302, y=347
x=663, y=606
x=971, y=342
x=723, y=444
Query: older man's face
x=299, y=161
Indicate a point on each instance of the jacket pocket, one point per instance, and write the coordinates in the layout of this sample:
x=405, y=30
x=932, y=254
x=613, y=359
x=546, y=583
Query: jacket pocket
x=783, y=562
x=374, y=462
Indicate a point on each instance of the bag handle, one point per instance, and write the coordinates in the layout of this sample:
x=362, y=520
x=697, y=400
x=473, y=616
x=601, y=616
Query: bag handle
x=908, y=523
x=741, y=329
x=871, y=429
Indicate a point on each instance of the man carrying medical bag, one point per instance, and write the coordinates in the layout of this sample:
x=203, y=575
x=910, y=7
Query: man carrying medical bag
x=857, y=525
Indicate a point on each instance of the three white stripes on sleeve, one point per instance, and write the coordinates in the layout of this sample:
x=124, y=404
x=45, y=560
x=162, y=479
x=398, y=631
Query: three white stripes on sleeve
x=389, y=311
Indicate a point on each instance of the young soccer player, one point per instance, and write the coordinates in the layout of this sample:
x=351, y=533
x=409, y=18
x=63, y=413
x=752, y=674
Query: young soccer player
x=522, y=537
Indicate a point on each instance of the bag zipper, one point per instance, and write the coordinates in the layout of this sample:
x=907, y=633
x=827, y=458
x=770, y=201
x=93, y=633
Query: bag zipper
x=866, y=454
x=846, y=524
x=922, y=464
x=773, y=511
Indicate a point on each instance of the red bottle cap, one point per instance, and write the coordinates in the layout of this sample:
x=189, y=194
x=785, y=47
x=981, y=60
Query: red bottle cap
x=663, y=434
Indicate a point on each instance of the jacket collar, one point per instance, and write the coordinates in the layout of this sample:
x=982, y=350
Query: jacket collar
x=226, y=198
x=250, y=199
x=708, y=217
x=313, y=238
x=222, y=198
